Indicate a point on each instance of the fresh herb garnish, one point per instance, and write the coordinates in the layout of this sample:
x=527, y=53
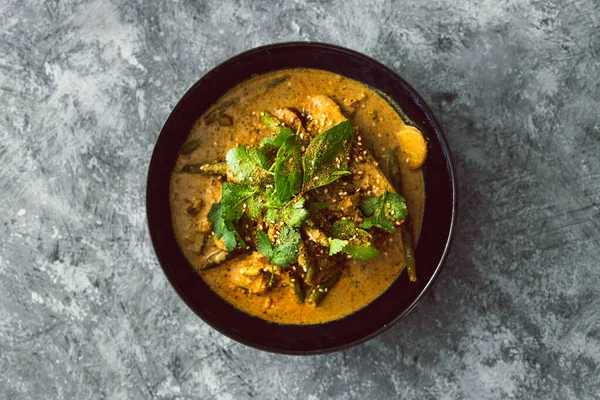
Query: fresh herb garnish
x=326, y=157
x=383, y=210
x=227, y=212
x=286, y=248
x=351, y=240
x=247, y=164
x=293, y=214
x=363, y=252
x=271, y=186
x=287, y=171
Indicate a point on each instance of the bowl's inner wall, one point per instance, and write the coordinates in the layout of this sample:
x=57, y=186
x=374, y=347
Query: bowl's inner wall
x=398, y=299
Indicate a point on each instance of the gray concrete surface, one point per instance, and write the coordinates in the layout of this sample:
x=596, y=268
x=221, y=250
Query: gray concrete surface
x=85, y=311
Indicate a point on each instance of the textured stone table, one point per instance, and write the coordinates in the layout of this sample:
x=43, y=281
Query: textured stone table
x=85, y=311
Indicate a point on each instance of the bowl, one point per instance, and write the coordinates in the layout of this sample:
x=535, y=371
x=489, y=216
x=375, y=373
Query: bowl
x=399, y=299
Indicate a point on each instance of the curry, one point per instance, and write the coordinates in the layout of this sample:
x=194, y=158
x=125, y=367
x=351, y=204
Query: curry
x=298, y=197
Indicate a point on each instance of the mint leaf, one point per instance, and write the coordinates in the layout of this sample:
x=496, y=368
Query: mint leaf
x=336, y=245
x=382, y=210
x=245, y=163
x=288, y=171
x=287, y=247
x=326, y=157
x=362, y=253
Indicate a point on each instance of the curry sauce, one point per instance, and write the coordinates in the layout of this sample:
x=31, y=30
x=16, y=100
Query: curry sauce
x=234, y=121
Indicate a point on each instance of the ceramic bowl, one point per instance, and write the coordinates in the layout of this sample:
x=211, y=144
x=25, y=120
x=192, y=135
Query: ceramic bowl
x=399, y=299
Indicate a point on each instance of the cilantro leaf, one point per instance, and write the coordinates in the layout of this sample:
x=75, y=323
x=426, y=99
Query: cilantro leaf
x=254, y=206
x=326, y=157
x=345, y=232
x=293, y=213
x=362, y=253
x=345, y=229
x=233, y=196
x=222, y=228
x=246, y=163
x=336, y=245
x=286, y=249
x=382, y=210
x=263, y=244
x=282, y=132
x=288, y=246
x=227, y=212
x=288, y=171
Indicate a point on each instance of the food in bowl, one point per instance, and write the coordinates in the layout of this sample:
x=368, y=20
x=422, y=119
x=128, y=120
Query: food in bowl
x=299, y=196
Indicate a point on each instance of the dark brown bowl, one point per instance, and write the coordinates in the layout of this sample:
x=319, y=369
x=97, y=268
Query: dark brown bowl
x=399, y=299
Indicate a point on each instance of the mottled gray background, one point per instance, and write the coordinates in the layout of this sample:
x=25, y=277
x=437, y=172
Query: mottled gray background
x=85, y=311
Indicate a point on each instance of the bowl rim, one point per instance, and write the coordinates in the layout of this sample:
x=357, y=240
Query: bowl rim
x=441, y=138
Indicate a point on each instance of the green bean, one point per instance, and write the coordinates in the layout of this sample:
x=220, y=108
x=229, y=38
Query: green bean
x=298, y=290
x=318, y=292
x=304, y=261
x=190, y=146
x=392, y=168
x=271, y=122
x=213, y=116
x=277, y=81
x=409, y=251
x=219, y=168
x=215, y=259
